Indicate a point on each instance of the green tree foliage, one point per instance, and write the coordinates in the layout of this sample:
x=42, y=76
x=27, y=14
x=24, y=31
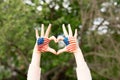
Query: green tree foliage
x=17, y=38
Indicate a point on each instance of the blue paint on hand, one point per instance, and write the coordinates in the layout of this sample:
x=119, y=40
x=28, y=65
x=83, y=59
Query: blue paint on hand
x=40, y=41
x=66, y=40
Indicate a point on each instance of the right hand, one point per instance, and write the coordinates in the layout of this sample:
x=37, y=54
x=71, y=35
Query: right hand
x=69, y=40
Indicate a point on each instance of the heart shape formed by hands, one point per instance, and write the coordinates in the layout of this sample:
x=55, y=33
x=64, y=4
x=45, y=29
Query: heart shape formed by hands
x=69, y=40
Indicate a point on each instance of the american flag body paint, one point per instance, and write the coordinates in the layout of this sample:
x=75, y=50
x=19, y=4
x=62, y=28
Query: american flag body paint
x=43, y=44
x=66, y=40
x=70, y=44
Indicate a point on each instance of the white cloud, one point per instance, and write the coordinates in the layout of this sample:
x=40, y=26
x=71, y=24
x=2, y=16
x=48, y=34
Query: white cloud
x=103, y=9
x=106, y=4
x=52, y=5
x=57, y=7
x=69, y=9
x=98, y=21
x=106, y=23
x=29, y=2
x=80, y=26
x=117, y=18
x=48, y=1
x=39, y=8
x=102, y=30
x=61, y=44
x=4, y=0
x=41, y=2
x=66, y=3
x=115, y=3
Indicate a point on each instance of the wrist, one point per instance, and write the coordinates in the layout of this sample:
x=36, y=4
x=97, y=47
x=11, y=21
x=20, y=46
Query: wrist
x=36, y=52
x=36, y=56
x=77, y=50
x=79, y=56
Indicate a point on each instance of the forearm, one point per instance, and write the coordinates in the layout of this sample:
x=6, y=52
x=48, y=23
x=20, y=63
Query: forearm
x=34, y=70
x=79, y=56
x=36, y=58
x=82, y=70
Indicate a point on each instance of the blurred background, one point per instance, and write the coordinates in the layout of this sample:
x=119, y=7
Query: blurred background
x=98, y=24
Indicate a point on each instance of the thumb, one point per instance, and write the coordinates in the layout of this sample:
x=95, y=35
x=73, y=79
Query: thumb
x=51, y=50
x=61, y=51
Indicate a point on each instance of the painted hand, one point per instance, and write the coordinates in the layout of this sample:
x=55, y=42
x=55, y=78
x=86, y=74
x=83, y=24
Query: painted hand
x=42, y=43
x=69, y=40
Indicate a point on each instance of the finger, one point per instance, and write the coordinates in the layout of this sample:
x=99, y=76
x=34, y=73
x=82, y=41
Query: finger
x=61, y=50
x=51, y=50
x=42, y=30
x=75, y=35
x=70, y=30
x=36, y=32
x=64, y=30
x=60, y=38
x=53, y=38
x=48, y=30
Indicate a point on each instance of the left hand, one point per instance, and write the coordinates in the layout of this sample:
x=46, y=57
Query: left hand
x=42, y=43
